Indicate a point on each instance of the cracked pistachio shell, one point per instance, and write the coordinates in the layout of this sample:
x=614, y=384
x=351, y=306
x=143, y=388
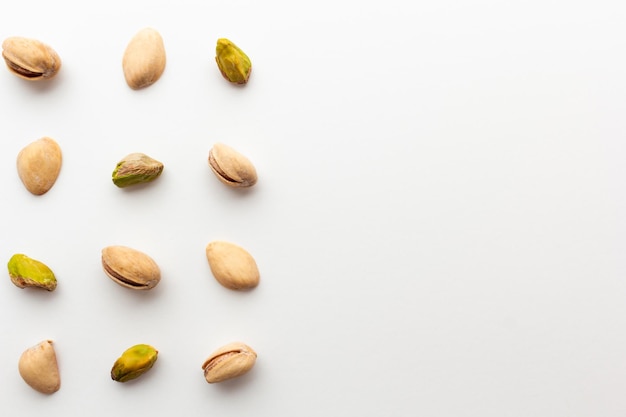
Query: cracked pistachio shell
x=229, y=361
x=130, y=268
x=231, y=167
x=136, y=168
x=232, y=266
x=38, y=368
x=232, y=62
x=28, y=272
x=39, y=164
x=134, y=362
x=30, y=59
x=144, y=59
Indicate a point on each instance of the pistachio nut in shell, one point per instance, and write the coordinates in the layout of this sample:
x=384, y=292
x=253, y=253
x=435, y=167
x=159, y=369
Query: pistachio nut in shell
x=232, y=62
x=232, y=266
x=136, y=168
x=38, y=367
x=134, y=362
x=30, y=59
x=39, y=164
x=130, y=268
x=144, y=59
x=27, y=272
x=229, y=361
x=231, y=167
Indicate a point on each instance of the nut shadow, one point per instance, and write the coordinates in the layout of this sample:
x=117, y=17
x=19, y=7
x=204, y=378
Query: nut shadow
x=235, y=386
x=43, y=86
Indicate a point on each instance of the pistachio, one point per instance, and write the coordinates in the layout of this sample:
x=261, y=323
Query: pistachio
x=28, y=272
x=232, y=62
x=39, y=369
x=136, y=168
x=134, y=362
x=229, y=361
x=231, y=167
x=39, y=165
x=30, y=59
x=232, y=266
x=144, y=59
x=130, y=268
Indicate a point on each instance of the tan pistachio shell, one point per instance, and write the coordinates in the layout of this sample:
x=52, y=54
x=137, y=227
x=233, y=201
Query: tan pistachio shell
x=144, y=59
x=130, y=268
x=30, y=59
x=229, y=361
x=232, y=266
x=231, y=167
x=39, y=165
x=39, y=369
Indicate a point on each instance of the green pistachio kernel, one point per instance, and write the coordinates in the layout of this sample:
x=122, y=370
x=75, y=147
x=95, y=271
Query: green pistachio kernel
x=233, y=63
x=28, y=272
x=136, y=168
x=134, y=362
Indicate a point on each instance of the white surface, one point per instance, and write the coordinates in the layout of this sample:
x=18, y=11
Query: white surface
x=439, y=218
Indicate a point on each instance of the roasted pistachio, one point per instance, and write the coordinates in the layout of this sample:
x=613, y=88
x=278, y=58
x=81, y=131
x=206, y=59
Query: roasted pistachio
x=232, y=266
x=39, y=369
x=144, y=59
x=39, y=165
x=134, y=362
x=232, y=62
x=130, y=268
x=28, y=272
x=231, y=167
x=30, y=59
x=229, y=361
x=136, y=168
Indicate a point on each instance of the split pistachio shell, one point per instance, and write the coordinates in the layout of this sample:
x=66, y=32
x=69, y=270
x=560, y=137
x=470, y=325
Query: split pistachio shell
x=232, y=266
x=136, y=168
x=130, y=268
x=232, y=62
x=39, y=369
x=231, y=167
x=30, y=59
x=134, y=362
x=144, y=59
x=230, y=361
x=28, y=272
x=39, y=165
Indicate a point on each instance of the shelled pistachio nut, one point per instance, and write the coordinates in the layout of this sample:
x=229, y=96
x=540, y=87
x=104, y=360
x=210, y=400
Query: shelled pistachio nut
x=231, y=167
x=28, y=272
x=136, y=168
x=232, y=62
x=229, y=361
x=39, y=164
x=232, y=266
x=134, y=362
x=130, y=268
x=30, y=59
x=38, y=368
x=144, y=59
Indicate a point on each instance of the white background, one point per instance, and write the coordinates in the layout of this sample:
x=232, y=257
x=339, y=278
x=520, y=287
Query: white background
x=438, y=222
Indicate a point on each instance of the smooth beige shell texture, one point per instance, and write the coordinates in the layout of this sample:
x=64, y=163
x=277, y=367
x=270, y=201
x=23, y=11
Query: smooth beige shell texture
x=30, y=59
x=130, y=268
x=229, y=361
x=232, y=266
x=231, y=167
x=39, y=369
x=144, y=59
x=39, y=165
